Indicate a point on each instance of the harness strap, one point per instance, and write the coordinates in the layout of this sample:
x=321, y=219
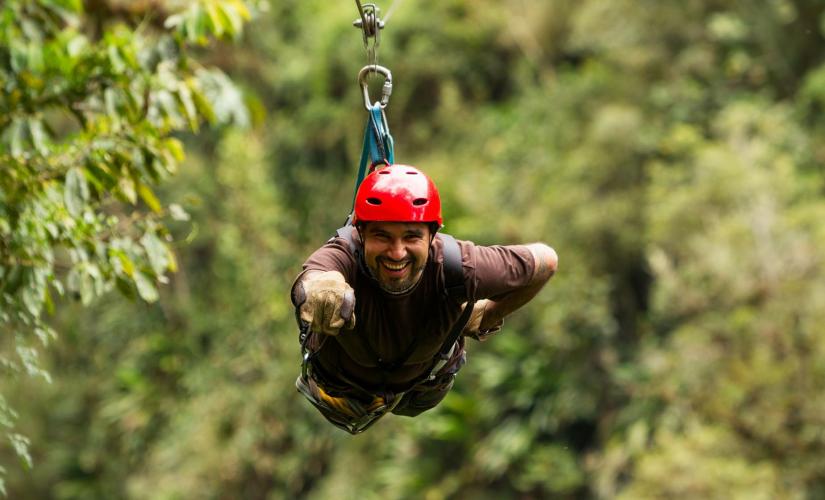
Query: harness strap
x=378, y=145
x=448, y=347
x=453, y=269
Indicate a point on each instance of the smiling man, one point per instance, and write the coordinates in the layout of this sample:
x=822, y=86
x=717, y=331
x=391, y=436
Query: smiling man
x=396, y=253
x=385, y=305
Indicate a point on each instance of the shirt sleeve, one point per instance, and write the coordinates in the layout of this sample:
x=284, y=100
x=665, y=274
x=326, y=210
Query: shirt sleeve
x=496, y=270
x=333, y=256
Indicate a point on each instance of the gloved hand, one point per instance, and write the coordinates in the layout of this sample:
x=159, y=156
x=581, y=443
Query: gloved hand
x=326, y=302
x=473, y=327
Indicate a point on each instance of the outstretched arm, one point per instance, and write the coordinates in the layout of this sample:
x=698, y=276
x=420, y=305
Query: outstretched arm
x=495, y=310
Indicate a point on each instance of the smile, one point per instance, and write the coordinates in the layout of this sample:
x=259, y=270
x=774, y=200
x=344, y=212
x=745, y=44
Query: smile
x=394, y=266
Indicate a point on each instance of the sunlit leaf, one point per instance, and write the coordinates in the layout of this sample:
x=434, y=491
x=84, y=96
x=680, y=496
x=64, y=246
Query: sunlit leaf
x=149, y=197
x=156, y=251
x=126, y=187
x=178, y=213
x=146, y=287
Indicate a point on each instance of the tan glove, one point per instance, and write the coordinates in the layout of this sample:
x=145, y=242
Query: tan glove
x=328, y=302
x=473, y=327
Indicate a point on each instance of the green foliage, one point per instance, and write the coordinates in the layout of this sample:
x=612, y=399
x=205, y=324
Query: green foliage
x=86, y=130
x=670, y=152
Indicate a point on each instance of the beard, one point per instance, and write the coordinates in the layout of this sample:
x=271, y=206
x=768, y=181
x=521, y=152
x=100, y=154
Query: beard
x=397, y=286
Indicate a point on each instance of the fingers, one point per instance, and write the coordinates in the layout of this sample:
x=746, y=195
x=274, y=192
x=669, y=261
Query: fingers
x=348, y=309
x=474, y=323
x=327, y=311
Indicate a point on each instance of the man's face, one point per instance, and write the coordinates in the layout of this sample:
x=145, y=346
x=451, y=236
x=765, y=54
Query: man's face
x=396, y=253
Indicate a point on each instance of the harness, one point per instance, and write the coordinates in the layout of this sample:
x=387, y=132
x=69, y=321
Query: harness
x=454, y=289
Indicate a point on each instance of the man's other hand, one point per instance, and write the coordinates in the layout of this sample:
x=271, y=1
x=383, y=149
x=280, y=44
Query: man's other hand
x=478, y=326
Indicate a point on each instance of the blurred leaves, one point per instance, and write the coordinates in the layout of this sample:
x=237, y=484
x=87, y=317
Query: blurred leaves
x=85, y=119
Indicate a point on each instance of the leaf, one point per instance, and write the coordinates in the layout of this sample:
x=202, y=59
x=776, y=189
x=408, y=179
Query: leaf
x=156, y=251
x=126, y=264
x=86, y=285
x=188, y=105
x=173, y=261
x=175, y=147
x=167, y=105
x=39, y=136
x=215, y=18
x=15, y=142
x=146, y=287
x=28, y=357
x=118, y=65
x=233, y=20
x=76, y=45
x=110, y=97
x=126, y=186
x=35, y=58
x=174, y=21
x=48, y=302
x=202, y=103
x=21, y=443
x=45, y=334
x=32, y=298
x=178, y=213
x=195, y=24
x=76, y=192
x=126, y=287
x=149, y=197
x=19, y=56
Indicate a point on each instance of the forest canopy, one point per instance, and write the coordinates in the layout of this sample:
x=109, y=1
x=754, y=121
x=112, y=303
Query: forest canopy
x=167, y=167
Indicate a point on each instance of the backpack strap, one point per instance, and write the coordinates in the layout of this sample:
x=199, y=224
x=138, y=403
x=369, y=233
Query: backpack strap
x=453, y=269
x=345, y=232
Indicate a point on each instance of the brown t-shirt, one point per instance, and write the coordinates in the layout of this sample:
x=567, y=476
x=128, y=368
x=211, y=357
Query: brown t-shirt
x=387, y=324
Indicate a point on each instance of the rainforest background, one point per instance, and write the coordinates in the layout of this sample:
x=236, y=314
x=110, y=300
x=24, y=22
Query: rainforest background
x=671, y=152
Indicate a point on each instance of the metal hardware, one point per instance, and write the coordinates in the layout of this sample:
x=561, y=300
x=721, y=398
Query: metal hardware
x=370, y=25
x=386, y=90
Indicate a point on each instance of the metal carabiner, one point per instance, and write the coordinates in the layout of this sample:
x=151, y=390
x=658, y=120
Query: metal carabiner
x=386, y=90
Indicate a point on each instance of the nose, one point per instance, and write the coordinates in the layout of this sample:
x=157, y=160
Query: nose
x=397, y=251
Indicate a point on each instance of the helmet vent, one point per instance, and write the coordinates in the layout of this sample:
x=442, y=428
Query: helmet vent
x=411, y=172
x=419, y=201
x=375, y=201
x=383, y=172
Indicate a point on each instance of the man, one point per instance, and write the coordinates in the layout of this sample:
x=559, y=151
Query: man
x=383, y=321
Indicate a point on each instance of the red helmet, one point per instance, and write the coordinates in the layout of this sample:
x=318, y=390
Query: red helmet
x=397, y=193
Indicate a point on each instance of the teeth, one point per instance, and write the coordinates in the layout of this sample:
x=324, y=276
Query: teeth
x=395, y=267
